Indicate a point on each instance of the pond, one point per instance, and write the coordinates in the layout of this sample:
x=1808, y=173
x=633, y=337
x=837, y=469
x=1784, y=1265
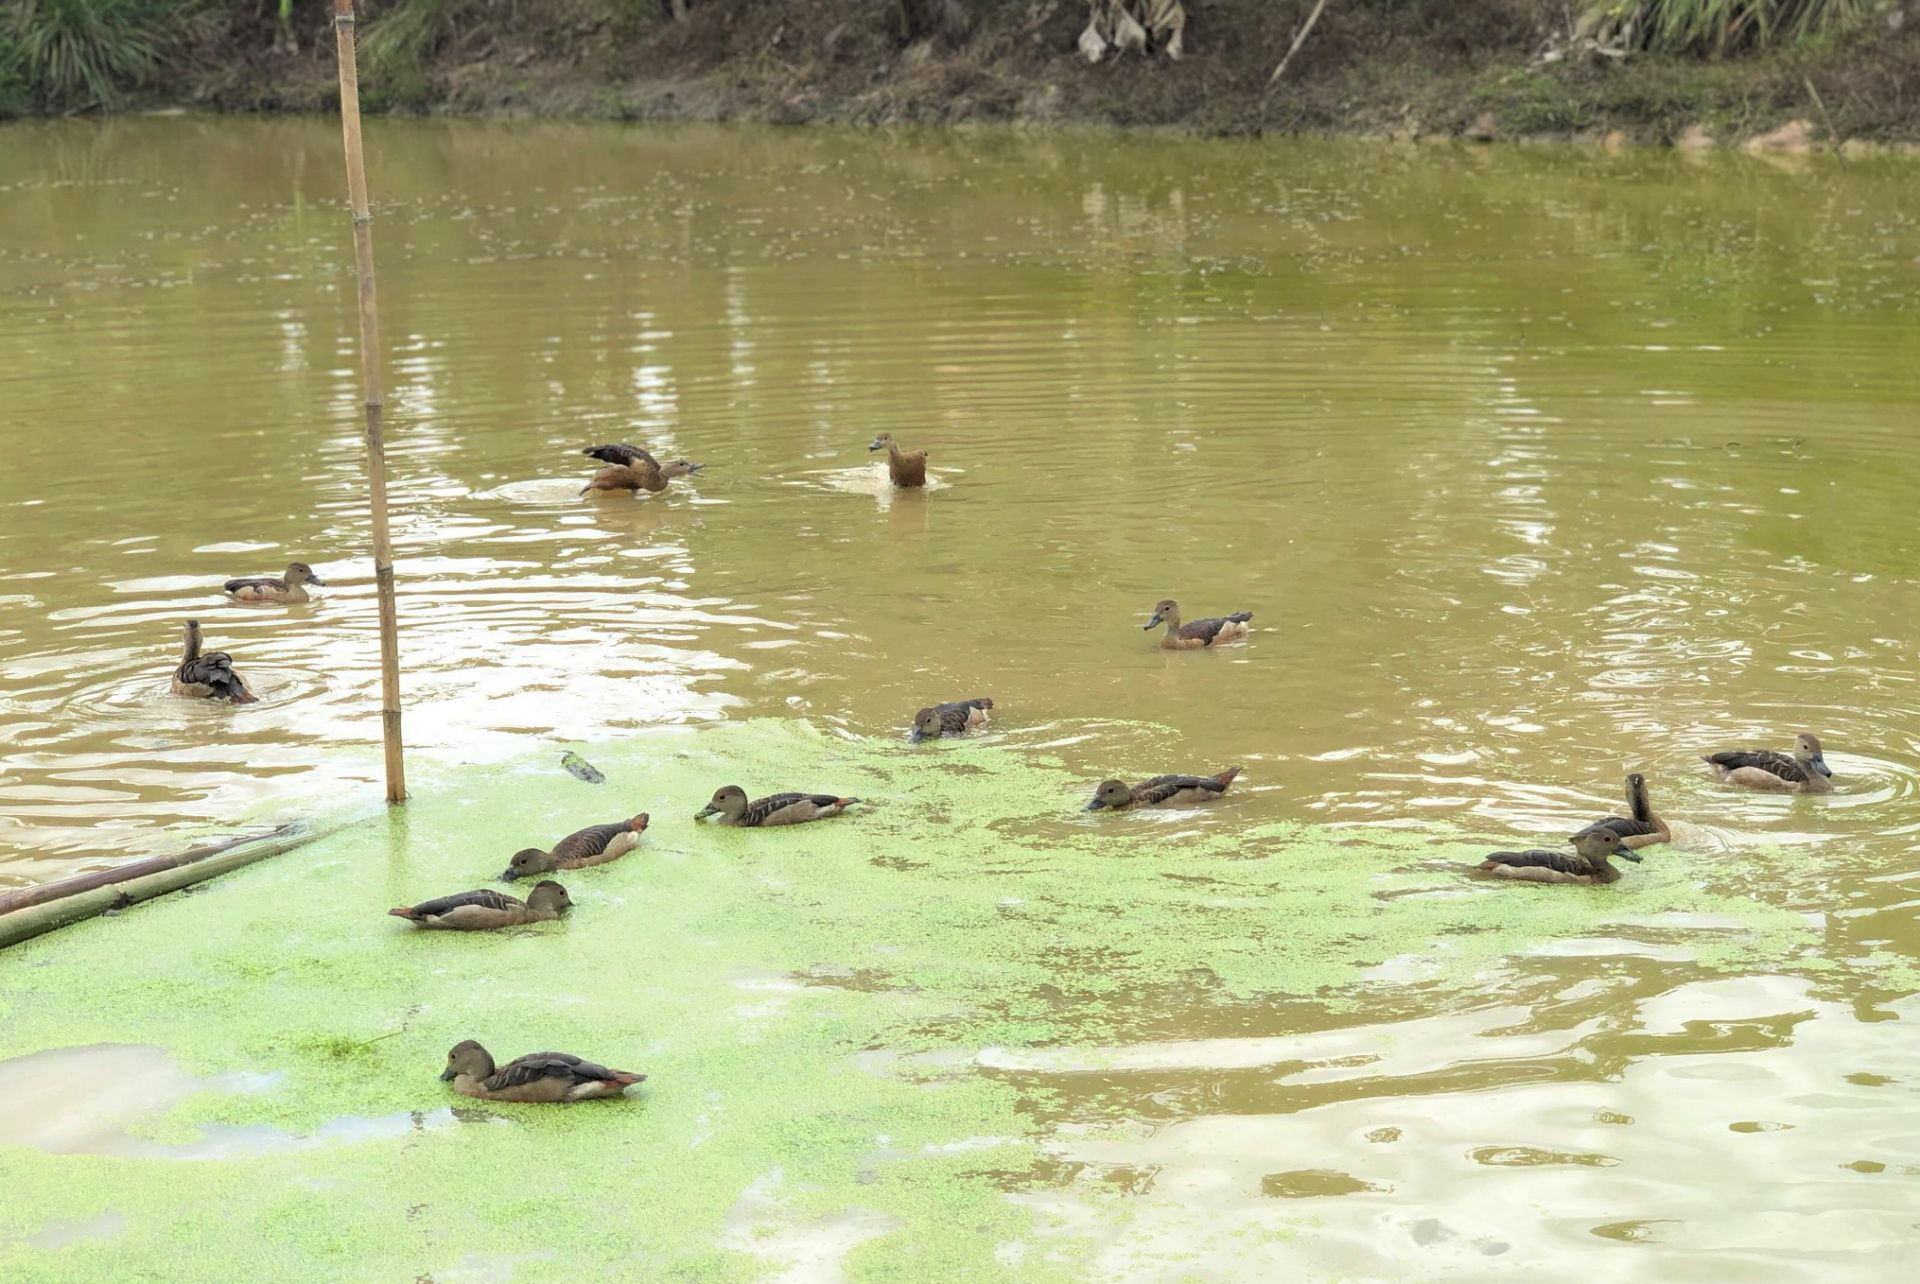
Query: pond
x=1535, y=467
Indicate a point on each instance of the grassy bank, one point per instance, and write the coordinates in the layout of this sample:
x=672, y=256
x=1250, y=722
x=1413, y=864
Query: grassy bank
x=1654, y=70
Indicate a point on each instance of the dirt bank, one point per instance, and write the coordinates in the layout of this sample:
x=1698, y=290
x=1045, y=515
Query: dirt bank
x=1482, y=68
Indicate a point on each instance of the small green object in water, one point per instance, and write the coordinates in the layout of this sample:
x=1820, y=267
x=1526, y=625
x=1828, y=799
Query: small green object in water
x=582, y=769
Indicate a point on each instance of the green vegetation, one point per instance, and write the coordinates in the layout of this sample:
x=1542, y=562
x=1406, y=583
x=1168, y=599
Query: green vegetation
x=83, y=53
x=1720, y=27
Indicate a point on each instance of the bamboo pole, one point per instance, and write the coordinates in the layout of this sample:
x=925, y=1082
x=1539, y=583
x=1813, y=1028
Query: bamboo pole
x=32, y=919
x=343, y=25
x=41, y=893
x=1294, y=48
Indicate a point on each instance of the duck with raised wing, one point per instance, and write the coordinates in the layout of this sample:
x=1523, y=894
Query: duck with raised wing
x=1639, y=827
x=1588, y=862
x=620, y=455
x=208, y=675
x=905, y=467
x=548, y=1077
x=594, y=845
x=486, y=910
x=642, y=474
x=1118, y=795
x=1197, y=634
x=1805, y=771
x=954, y=718
x=291, y=587
x=730, y=805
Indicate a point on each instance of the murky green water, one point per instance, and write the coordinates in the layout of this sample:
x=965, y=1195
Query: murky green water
x=1535, y=467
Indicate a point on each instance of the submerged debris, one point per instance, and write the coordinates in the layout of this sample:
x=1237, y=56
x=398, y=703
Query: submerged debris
x=580, y=769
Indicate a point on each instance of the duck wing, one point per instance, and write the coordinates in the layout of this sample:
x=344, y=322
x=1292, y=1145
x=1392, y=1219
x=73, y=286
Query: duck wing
x=761, y=808
x=214, y=670
x=1770, y=761
x=1161, y=788
x=621, y=454
x=1565, y=862
x=441, y=906
x=1624, y=826
x=538, y=1066
x=1209, y=629
x=590, y=841
x=262, y=581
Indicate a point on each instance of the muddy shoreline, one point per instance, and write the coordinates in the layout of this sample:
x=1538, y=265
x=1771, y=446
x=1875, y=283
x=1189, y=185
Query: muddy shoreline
x=1501, y=70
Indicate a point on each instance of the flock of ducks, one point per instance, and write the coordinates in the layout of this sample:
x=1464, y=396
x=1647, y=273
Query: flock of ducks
x=561, y=1077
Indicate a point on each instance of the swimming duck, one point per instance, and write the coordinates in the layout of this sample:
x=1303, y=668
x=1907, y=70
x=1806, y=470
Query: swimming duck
x=1199, y=633
x=210, y=676
x=1640, y=827
x=538, y=1076
x=955, y=718
x=906, y=467
x=1117, y=795
x=1588, y=862
x=594, y=845
x=731, y=806
x=291, y=587
x=1806, y=772
x=484, y=910
x=642, y=474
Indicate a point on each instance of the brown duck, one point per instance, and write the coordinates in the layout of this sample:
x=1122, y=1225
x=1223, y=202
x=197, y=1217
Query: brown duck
x=485, y=910
x=291, y=587
x=1639, y=827
x=731, y=806
x=906, y=467
x=208, y=676
x=1118, y=795
x=594, y=845
x=955, y=718
x=538, y=1076
x=1588, y=862
x=634, y=470
x=1197, y=634
x=1804, y=772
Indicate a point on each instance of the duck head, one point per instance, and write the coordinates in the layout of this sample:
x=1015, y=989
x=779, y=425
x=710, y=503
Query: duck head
x=1111, y=793
x=549, y=895
x=729, y=801
x=1168, y=609
x=301, y=573
x=881, y=442
x=926, y=725
x=1806, y=747
x=679, y=468
x=467, y=1058
x=529, y=861
x=1599, y=844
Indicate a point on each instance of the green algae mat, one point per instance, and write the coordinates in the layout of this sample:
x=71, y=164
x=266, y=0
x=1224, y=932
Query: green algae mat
x=242, y=1081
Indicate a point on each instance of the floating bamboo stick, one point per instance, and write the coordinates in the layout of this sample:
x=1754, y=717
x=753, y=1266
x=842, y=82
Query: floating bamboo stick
x=343, y=24
x=35, y=910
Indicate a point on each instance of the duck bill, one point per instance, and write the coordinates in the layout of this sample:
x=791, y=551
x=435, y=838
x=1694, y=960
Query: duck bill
x=508, y=875
x=875, y=444
x=446, y=1076
x=705, y=812
x=1153, y=622
x=315, y=579
x=1627, y=853
x=1820, y=765
x=694, y=468
x=1095, y=805
x=916, y=736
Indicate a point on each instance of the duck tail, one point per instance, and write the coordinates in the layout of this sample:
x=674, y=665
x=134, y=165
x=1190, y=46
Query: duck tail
x=1240, y=617
x=240, y=695
x=639, y=823
x=625, y=1078
x=984, y=702
x=402, y=911
x=1227, y=777
x=845, y=802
